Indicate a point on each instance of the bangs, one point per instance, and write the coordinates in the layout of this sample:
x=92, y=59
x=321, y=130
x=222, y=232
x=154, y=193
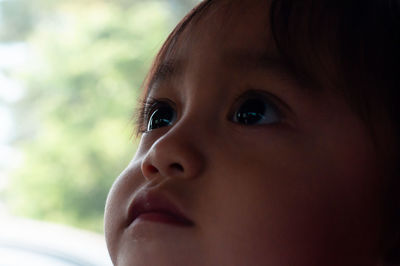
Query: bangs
x=350, y=47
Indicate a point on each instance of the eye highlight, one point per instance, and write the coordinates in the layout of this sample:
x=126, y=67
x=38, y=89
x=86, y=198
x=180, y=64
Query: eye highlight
x=161, y=117
x=255, y=108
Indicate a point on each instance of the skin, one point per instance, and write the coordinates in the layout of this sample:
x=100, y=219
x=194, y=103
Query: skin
x=304, y=191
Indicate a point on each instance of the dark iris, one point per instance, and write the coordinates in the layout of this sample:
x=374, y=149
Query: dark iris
x=161, y=117
x=256, y=111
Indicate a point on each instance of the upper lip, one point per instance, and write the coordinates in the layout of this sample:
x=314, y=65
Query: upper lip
x=152, y=201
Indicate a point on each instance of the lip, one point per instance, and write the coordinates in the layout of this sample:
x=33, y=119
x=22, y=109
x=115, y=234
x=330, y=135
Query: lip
x=155, y=207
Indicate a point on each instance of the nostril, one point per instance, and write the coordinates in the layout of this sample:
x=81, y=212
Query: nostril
x=177, y=166
x=152, y=169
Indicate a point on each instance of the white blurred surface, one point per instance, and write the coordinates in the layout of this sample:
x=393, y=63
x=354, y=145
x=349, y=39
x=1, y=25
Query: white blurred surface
x=26, y=242
x=17, y=257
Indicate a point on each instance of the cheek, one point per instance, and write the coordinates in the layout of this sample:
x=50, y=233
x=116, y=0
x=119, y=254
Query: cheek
x=118, y=200
x=296, y=200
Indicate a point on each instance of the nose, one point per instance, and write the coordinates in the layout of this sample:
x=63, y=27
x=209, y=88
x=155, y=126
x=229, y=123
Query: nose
x=173, y=155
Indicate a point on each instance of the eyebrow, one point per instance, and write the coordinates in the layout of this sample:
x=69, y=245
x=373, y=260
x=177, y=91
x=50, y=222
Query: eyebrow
x=240, y=59
x=304, y=81
x=164, y=71
x=261, y=60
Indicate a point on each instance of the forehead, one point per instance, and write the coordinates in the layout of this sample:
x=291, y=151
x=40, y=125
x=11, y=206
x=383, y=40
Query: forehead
x=224, y=27
x=231, y=25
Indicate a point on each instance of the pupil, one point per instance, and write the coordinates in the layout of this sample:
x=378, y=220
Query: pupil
x=251, y=112
x=160, y=118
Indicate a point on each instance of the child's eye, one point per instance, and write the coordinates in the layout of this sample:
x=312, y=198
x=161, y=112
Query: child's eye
x=160, y=115
x=256, y=110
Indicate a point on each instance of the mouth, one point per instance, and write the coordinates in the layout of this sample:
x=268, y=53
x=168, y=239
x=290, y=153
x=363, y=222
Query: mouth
x=154, y=207
x=163, y=217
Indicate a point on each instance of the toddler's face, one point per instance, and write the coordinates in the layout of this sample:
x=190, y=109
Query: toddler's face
x=267, y=173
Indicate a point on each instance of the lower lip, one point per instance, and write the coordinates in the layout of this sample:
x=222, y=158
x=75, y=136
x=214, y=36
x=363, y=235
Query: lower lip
x=163, y=218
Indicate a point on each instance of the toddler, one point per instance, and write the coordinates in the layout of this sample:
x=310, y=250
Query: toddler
x=268, y=136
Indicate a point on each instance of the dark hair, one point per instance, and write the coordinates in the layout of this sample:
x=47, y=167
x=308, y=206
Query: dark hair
x=351, y=46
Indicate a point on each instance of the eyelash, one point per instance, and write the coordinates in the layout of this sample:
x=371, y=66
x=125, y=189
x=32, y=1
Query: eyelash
x=149, y=105
x=146, y=107
x=275, y=102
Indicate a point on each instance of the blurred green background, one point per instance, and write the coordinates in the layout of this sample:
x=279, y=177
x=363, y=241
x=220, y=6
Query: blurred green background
x=70, y=74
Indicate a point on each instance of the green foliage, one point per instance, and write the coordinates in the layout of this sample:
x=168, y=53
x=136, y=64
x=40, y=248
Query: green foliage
x=12, y=27
x=82, y=86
